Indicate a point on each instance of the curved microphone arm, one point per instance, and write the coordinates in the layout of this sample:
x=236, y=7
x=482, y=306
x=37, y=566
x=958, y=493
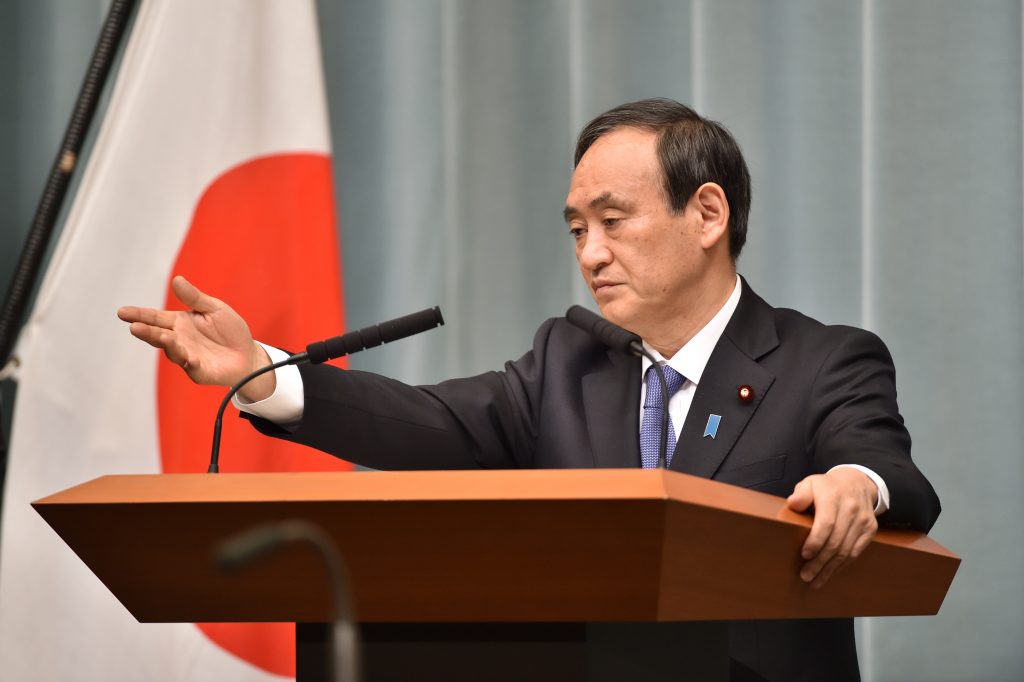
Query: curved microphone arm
x=218, y=422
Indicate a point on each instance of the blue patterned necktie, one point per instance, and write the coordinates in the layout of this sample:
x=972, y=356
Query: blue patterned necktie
x=650, y=429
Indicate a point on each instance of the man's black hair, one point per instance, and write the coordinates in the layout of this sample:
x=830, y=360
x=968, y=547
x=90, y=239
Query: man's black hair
x=692, y=150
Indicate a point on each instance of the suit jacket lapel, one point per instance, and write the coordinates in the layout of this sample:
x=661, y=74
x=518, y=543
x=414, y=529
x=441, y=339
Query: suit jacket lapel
x=611, y=398
x=749, y=335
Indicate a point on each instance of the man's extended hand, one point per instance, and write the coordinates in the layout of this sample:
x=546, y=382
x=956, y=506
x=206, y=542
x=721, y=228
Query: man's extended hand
x=844, y=520
x=210, y=341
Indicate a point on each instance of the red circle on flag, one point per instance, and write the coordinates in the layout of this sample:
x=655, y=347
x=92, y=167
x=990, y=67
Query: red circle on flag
x=262, y=239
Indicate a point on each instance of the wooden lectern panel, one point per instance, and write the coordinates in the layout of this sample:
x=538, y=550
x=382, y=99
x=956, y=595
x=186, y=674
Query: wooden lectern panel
x=481, y=546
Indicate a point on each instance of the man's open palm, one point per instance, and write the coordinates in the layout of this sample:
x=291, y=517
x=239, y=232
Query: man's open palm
x=209, y=340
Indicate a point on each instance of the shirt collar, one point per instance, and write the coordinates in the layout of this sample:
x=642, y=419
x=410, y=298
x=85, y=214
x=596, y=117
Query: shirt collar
x=693, y=357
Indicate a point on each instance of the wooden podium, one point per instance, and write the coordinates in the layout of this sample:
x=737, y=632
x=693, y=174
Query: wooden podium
x=551, y=547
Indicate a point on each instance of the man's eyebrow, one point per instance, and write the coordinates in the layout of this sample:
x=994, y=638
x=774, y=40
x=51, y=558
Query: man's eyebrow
x=599, y=200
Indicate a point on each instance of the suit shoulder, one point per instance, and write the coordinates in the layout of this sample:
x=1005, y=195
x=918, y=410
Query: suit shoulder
x=792, y=325
x=810, y=343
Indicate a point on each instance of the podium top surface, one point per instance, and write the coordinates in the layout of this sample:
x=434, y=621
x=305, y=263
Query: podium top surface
x=412, y=486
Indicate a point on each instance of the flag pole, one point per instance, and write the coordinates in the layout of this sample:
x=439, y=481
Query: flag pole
x=26, y=272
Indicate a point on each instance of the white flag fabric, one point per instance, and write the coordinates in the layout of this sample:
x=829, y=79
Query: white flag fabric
x=212, y=161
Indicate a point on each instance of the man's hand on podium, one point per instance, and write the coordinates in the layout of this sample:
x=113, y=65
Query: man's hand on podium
x=844, y=520
x=209, y=340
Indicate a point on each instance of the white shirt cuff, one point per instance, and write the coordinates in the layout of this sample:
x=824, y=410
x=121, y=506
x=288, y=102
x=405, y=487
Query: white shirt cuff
x=882, y=505
x=284, y=406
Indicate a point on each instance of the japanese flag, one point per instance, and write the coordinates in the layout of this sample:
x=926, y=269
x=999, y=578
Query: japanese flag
x=212, y=161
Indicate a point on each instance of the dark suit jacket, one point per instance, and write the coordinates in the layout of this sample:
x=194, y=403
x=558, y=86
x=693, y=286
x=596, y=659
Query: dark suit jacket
x=823, y=395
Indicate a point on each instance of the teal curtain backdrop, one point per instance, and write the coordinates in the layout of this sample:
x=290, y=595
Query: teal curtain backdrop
x=885, y=143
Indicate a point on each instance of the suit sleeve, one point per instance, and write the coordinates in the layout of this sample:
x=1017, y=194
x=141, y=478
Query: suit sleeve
x=487, y=421
x=856, y=420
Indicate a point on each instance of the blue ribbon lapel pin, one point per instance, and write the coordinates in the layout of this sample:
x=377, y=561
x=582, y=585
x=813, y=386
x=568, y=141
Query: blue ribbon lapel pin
x=712, y=428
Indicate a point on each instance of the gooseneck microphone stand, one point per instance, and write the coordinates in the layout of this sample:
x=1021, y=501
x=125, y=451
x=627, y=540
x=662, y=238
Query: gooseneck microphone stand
x=219, y=421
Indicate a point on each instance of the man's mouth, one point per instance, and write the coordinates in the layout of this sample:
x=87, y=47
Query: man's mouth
x=599, y=287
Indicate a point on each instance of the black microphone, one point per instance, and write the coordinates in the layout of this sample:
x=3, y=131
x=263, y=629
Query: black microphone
x=321, y=351
x=607, y=333
x=375, y=335
x=618, y=338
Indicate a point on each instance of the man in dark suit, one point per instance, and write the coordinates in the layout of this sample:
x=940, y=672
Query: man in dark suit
x=763, y=398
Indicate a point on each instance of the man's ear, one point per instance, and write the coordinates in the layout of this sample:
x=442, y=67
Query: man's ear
x=714, y=212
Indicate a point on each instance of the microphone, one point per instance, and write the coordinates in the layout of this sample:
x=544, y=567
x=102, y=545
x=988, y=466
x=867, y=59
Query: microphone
x=607, y=333
x=375, y=335
x=321, y=351
x=618, y=338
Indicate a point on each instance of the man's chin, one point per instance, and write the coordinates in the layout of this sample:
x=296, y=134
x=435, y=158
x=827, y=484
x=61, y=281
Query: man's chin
x=615, y=312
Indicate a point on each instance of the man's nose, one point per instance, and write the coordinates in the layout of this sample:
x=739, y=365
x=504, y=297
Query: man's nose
x=594, y=254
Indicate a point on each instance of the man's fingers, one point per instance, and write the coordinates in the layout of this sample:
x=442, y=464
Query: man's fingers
x=853, y=546
x=802, y=497
x=149, y=316
x=164, y=339
x=824, y=527
x=863, y=540
x=851, y=534
x=175, y=354
x=829, y=537
x=191, y=296
x=831, y=549
x=154, y=336
x=827, y=570
x=815, y=560
x=168, y=342
x=838, y=564
x=844, y=522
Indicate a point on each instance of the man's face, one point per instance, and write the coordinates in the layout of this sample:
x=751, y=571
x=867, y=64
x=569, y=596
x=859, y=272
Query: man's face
x=640, y=260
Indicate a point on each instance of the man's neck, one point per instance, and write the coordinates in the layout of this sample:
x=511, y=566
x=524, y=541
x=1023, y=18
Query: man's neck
x=706, y=301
